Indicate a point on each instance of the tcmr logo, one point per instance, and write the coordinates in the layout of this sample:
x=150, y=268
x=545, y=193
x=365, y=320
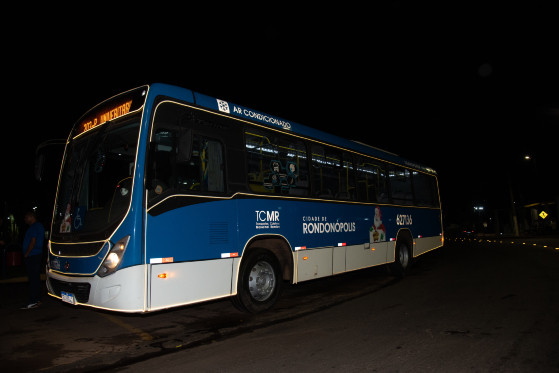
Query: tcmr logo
x=267, y=215
x=403, y=220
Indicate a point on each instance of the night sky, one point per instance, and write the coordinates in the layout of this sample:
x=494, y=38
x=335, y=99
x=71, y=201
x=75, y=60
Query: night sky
x=466, y=90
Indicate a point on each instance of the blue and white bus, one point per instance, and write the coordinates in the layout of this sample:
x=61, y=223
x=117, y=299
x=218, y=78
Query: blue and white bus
x=168, y=197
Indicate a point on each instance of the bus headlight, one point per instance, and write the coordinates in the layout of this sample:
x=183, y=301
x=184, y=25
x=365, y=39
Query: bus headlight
x=113, y=258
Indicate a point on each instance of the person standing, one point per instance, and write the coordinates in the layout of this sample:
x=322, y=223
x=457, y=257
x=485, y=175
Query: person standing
x=32, y=254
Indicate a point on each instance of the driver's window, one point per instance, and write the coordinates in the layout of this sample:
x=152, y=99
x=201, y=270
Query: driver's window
x=203, y=171
x=181, y=160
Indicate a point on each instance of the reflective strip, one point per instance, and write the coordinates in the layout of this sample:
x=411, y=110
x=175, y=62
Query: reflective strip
x=229, y=255
x=160, y=260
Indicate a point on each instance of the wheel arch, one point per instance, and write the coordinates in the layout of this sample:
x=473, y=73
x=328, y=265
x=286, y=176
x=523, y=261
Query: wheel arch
x=279, y=247
x=404, y=236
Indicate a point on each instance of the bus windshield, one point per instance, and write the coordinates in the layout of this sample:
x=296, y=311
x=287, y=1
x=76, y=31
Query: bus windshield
x=96, y=181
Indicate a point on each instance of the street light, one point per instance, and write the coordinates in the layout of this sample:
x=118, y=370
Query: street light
x=529, y=157
x=537, y=181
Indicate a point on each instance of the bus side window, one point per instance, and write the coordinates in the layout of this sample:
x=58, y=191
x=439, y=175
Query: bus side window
x=294, y=178
x=425, y=189
x=181, y=158
x=371, y=181
x=261, y=153
x=400, y=185
x=347, y=179
x=205, y=168
x=160, y=162
x=326, y=172
x=276, y=164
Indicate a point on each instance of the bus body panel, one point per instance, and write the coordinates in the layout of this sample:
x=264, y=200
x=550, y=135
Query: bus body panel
x=197, y=232
x=327, y=261
x=327, y=238
x=314, y=263
x=339, y=260
x=123, y=291
x=425, y=244
x=327, y=224
x=77, y=265
x=89, y=264
x=174, y=284
x=366, y=255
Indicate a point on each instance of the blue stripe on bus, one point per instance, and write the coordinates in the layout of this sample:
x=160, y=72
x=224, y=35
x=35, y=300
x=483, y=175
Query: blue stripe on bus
x=207, y=230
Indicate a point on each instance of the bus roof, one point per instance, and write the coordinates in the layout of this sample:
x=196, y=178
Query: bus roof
x=278, y=123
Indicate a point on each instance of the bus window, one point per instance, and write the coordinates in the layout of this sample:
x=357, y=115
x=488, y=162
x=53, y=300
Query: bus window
x=276, y=164
x=400, y=185
x=332, y=175
x=294, y=155
x=347, y=179
x=425, y=189
x=180, y=161
x=204, y=170
x=371, y=181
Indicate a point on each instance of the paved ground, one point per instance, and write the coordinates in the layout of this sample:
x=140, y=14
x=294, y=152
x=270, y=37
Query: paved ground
x=476, y=305
x=61, y=337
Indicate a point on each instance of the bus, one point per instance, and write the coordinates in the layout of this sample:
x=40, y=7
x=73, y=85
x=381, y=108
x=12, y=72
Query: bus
x=168, y=197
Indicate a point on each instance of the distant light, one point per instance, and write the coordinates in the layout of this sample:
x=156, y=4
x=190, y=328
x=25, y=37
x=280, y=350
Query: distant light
x=485, y=70
x=527, y=157
x=478, y=208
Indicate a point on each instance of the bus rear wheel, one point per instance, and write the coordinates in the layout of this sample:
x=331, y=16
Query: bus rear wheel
x=402, y=260
x=259, y=283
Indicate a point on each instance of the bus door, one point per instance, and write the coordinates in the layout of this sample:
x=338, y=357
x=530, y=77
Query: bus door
x=190, y=226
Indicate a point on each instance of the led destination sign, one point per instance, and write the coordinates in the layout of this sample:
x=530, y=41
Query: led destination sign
x=103, y=117
x=112, y=109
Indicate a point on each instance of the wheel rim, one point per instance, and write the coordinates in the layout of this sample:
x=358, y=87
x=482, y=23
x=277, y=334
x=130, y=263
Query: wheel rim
x=261, y=281
x=403, y=256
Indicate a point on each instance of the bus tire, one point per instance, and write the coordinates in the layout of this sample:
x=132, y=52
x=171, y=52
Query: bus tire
x=259, y=283
x=402, y=259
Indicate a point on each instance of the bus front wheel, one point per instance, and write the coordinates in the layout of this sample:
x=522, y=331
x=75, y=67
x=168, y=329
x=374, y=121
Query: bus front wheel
x=259, y=283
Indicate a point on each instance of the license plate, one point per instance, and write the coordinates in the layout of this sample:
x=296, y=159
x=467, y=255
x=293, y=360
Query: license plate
x=68, y=297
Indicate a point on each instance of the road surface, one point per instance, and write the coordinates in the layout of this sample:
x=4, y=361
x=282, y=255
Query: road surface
x=472, y=306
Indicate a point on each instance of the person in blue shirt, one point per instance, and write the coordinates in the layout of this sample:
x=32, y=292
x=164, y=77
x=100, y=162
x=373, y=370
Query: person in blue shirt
x=32, y=254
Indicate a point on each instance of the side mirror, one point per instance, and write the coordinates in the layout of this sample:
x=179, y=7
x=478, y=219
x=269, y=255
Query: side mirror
x=53, y=147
